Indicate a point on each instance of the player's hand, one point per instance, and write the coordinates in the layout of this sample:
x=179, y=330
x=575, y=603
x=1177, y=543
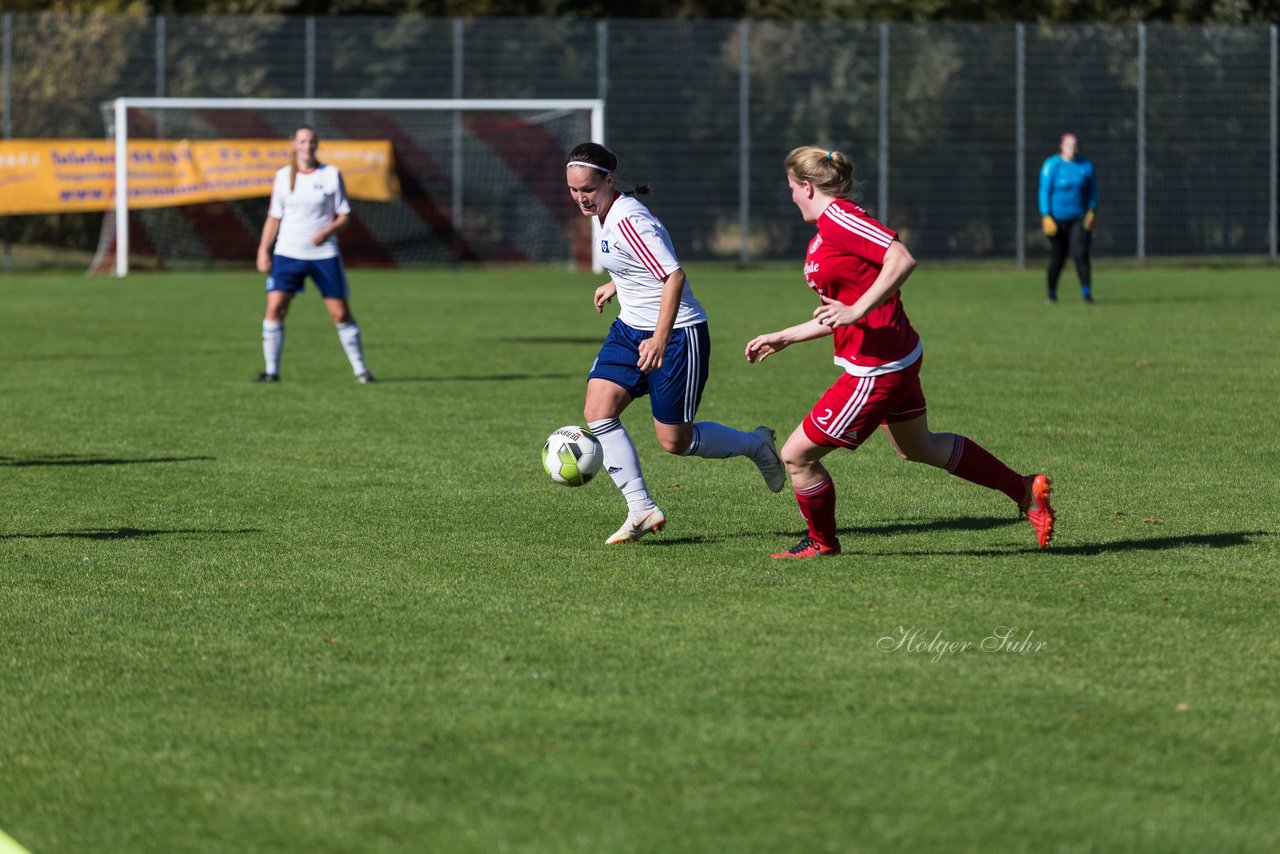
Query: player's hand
x=1089, y=218
x=1049, y=224
x=834, y=313
x=763, y=346
x=651, y=350
x=604, y=295
x=264, y=261
x=319, y=238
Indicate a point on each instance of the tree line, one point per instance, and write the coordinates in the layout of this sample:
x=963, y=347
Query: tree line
x=1099, y=11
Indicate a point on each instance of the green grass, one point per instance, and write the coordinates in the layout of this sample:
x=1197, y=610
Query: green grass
x=325, y=617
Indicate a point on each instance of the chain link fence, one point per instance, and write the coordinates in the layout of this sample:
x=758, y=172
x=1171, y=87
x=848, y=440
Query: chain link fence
x=948, y=124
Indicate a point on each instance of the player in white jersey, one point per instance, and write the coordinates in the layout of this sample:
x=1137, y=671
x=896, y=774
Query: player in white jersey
x=308, y=208
x=658, y=345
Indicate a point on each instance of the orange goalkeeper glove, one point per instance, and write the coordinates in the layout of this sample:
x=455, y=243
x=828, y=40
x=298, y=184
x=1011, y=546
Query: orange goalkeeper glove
x=1049, y=225
x=1089, y=217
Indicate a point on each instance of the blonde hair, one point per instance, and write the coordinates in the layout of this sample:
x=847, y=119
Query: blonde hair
x=828, y=170
x=293, y=161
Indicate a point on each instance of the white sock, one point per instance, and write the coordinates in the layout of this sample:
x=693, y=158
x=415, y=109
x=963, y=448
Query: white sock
x=272, y=344
x=349, y=335
x=714, y=441
x=623, y=464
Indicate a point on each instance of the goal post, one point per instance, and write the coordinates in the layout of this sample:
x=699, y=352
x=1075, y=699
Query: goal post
x=431, y=127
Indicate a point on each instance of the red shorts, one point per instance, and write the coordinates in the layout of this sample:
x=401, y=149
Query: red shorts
x=854, y=407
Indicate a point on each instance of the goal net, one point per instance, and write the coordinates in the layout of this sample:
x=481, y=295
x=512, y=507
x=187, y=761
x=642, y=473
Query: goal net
x=479, y=180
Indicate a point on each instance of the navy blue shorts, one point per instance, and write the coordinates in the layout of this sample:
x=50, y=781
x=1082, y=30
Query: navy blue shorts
x=290, y=274
x=675, y=389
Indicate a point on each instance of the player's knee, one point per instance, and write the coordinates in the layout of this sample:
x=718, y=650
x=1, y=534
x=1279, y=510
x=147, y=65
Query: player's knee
x=675, y=444
x=795, y=460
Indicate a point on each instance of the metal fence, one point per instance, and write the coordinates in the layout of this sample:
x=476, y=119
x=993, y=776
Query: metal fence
x=948, y=123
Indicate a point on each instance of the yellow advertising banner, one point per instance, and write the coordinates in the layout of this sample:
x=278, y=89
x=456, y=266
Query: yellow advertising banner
x=71, y=175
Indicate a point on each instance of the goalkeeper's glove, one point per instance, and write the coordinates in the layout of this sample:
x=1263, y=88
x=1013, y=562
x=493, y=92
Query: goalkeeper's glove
x=1049, y=225
x=1089, y=217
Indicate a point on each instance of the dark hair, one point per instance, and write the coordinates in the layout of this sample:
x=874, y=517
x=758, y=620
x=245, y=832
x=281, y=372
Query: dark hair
x=605, y=160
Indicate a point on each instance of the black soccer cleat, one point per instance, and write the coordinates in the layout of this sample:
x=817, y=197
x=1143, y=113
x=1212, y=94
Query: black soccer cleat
x=366, y=378
x=265, y=377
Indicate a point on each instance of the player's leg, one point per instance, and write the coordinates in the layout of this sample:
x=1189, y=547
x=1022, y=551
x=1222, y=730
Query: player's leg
x=614, y=381
x=842, y=418
x=1058, y=245
x=331, y=279
x=965, y=458
x=284, y=282
x=1080, y=239
x=676, y=391
x=815, y=495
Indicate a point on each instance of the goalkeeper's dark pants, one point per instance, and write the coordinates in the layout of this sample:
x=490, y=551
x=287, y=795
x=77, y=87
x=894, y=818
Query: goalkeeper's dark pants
x=1073, y=240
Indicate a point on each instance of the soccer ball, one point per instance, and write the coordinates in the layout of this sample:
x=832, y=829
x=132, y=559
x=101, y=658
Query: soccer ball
x=572, y=456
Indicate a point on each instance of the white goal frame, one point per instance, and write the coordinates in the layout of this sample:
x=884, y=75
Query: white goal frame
x=120, y=106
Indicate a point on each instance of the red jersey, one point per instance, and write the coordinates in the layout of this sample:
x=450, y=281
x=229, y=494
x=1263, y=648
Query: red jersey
x=842, y=263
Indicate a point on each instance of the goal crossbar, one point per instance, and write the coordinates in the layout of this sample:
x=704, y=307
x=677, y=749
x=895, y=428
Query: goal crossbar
x=120, y=109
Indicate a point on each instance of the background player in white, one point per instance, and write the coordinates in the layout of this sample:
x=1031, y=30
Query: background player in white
x=308, y=208
x=658, y=345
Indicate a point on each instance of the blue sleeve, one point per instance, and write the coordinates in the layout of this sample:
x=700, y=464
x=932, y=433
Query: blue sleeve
x=1046, y=185
x=1091, y=194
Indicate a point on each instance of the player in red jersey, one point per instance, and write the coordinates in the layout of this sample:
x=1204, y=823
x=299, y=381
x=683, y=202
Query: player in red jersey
x=857, y=266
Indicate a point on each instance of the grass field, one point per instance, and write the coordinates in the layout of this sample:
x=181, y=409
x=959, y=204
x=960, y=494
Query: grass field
x=320, y=616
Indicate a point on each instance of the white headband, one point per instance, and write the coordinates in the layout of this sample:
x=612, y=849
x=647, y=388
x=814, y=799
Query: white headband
x=589, y=166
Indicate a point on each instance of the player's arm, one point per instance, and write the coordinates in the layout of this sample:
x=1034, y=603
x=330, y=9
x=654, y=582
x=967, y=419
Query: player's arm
x=1047, y=223
x=763, y=346
x=340, y=222
x=270, y=229
x=1091, y=199
x=897, y=266
x=604, y=295
x=651, y=349
x=342, y=214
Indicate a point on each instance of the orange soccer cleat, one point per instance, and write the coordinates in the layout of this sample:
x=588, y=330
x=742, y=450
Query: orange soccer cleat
x=1037, y=509
x=808, y=547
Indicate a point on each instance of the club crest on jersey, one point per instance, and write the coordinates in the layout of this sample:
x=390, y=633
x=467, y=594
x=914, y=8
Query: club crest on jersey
x=604, y=246
x=814, y=244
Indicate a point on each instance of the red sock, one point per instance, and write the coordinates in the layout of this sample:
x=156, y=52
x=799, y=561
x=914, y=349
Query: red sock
x=818, y=507
x=975, y=464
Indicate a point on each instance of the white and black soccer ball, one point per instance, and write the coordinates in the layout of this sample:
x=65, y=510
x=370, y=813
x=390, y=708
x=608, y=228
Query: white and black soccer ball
x=572, y=456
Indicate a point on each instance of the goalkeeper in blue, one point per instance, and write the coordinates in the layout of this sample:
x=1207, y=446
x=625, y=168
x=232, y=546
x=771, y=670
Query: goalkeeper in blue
x=1068, y=210
x=657, y=347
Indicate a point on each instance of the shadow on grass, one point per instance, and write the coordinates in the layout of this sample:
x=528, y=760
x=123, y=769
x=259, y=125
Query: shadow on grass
x=123, y=533
x=979, y=523
x=85, y=460
x=1225, y=540
x=478, y=378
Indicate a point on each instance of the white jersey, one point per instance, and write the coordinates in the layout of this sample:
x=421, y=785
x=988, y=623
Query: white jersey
x=317, y=199
x=636, y=250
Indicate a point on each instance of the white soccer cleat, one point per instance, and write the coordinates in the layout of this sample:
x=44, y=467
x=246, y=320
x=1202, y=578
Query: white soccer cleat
x=768, y=461
x=634, y=529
